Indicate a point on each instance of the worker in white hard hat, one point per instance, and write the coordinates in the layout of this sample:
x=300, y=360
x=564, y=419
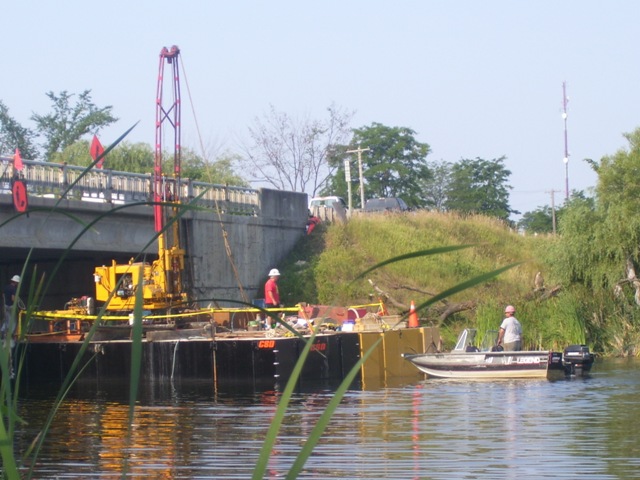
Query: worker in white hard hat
x=9, y=296
x=510, y=335
x=271, y=294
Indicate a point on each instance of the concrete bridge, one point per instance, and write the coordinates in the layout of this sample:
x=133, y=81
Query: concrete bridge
x=104, y=215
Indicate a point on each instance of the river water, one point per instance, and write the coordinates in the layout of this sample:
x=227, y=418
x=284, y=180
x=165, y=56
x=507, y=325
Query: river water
x=426, y=429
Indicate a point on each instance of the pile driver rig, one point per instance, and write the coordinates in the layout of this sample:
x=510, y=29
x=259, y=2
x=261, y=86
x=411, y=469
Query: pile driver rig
x=162, y=280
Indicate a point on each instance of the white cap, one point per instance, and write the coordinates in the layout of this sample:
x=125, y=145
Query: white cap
x=15, y=278
x=274, y=272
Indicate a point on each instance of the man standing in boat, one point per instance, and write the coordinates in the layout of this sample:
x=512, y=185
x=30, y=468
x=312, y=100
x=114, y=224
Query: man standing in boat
x=510, y=336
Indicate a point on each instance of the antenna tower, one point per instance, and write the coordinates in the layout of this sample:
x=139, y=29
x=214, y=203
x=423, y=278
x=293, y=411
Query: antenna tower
x=566, y=145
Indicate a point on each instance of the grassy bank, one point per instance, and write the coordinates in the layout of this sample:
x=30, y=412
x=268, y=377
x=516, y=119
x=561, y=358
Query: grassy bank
x=323, y=266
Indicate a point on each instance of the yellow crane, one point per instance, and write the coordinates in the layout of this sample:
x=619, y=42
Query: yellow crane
x=161, y=280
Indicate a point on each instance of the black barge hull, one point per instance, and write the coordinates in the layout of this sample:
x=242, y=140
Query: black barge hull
x=223, y=361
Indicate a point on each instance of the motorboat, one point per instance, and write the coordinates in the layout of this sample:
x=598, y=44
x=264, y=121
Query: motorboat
x=489, y=361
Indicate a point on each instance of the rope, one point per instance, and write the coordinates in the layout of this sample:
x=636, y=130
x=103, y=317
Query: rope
x=225, y=237
x=173, y=364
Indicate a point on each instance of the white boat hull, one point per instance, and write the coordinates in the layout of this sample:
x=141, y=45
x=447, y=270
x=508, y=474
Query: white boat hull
x=487, y=365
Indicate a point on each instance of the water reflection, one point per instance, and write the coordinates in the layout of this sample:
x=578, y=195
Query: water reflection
x=432, y=429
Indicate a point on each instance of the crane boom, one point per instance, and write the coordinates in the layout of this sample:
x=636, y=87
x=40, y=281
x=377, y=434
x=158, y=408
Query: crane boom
x=166, y=115
x=161, y=280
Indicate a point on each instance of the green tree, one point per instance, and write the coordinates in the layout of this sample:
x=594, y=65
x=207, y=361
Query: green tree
x=539, y=220
x=597, y=253
x=394, y=166
x=480, y=186
x=139, y=158
x=13, y=135
x=601, y=236
x=125, y=157
x=220, y=171
x=574, y=257
x=69, y=123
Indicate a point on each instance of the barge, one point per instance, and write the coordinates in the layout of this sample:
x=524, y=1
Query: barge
x=215, y=353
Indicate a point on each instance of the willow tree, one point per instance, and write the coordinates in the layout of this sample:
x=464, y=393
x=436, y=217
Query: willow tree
x=139, y=158
x=596, y=257
x=601, y=236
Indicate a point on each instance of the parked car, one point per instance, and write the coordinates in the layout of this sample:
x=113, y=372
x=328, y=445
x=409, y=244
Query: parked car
x=391, y=204
x=328, y=202
x=328, y=209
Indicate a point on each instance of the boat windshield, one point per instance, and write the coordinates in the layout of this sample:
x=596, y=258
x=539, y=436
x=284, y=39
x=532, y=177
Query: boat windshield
x=466, y=339
x=489, y=341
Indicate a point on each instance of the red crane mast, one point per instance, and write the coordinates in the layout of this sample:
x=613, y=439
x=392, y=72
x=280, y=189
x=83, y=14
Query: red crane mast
x=168, y=115
x=161, y=281
x=171, y=256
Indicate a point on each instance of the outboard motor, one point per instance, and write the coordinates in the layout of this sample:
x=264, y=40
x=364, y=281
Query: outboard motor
x=577, y=360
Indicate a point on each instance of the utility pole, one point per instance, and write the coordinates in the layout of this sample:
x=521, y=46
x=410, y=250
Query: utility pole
x=565, y=100
x=553, y=210
x=347, y=178
x=359, y=152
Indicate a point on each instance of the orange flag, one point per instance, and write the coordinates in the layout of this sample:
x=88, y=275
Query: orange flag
x=96, y=150
x=17, y=161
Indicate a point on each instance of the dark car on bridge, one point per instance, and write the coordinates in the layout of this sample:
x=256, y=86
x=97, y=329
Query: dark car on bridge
x=390, y=204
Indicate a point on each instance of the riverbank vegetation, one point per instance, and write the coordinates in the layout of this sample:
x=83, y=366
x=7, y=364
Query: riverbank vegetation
x=576, y=286
x=554, y=305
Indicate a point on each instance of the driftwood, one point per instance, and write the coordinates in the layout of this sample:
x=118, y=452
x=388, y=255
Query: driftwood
x=415, y=289
x=551, y=292
x=386, y=295
x=456, y=308
x=443, y=311
x=543, y=293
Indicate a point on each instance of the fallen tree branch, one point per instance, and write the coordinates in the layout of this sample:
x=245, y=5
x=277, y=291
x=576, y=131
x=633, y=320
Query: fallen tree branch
x=456, y=308
x=552, y=292
x=444, y=311
x=418, y=290
x=543, y=294
x=391, y=300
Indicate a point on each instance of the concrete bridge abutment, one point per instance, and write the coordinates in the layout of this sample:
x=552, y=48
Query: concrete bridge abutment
x=98, y=232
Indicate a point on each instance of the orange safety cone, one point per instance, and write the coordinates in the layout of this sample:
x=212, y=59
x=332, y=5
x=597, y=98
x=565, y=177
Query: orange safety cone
x=413, y=316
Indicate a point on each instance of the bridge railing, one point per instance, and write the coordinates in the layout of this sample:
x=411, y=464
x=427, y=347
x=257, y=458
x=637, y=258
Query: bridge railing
x=107, y=186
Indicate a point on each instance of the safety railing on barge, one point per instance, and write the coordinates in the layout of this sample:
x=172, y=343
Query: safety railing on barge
x=78, y=319
x=52, y=180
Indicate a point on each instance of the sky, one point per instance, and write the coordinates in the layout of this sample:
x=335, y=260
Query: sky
x=473, y=79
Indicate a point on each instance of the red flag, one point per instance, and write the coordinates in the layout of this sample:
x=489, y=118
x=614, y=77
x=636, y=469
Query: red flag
x=96, y=150
x=17, y=161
